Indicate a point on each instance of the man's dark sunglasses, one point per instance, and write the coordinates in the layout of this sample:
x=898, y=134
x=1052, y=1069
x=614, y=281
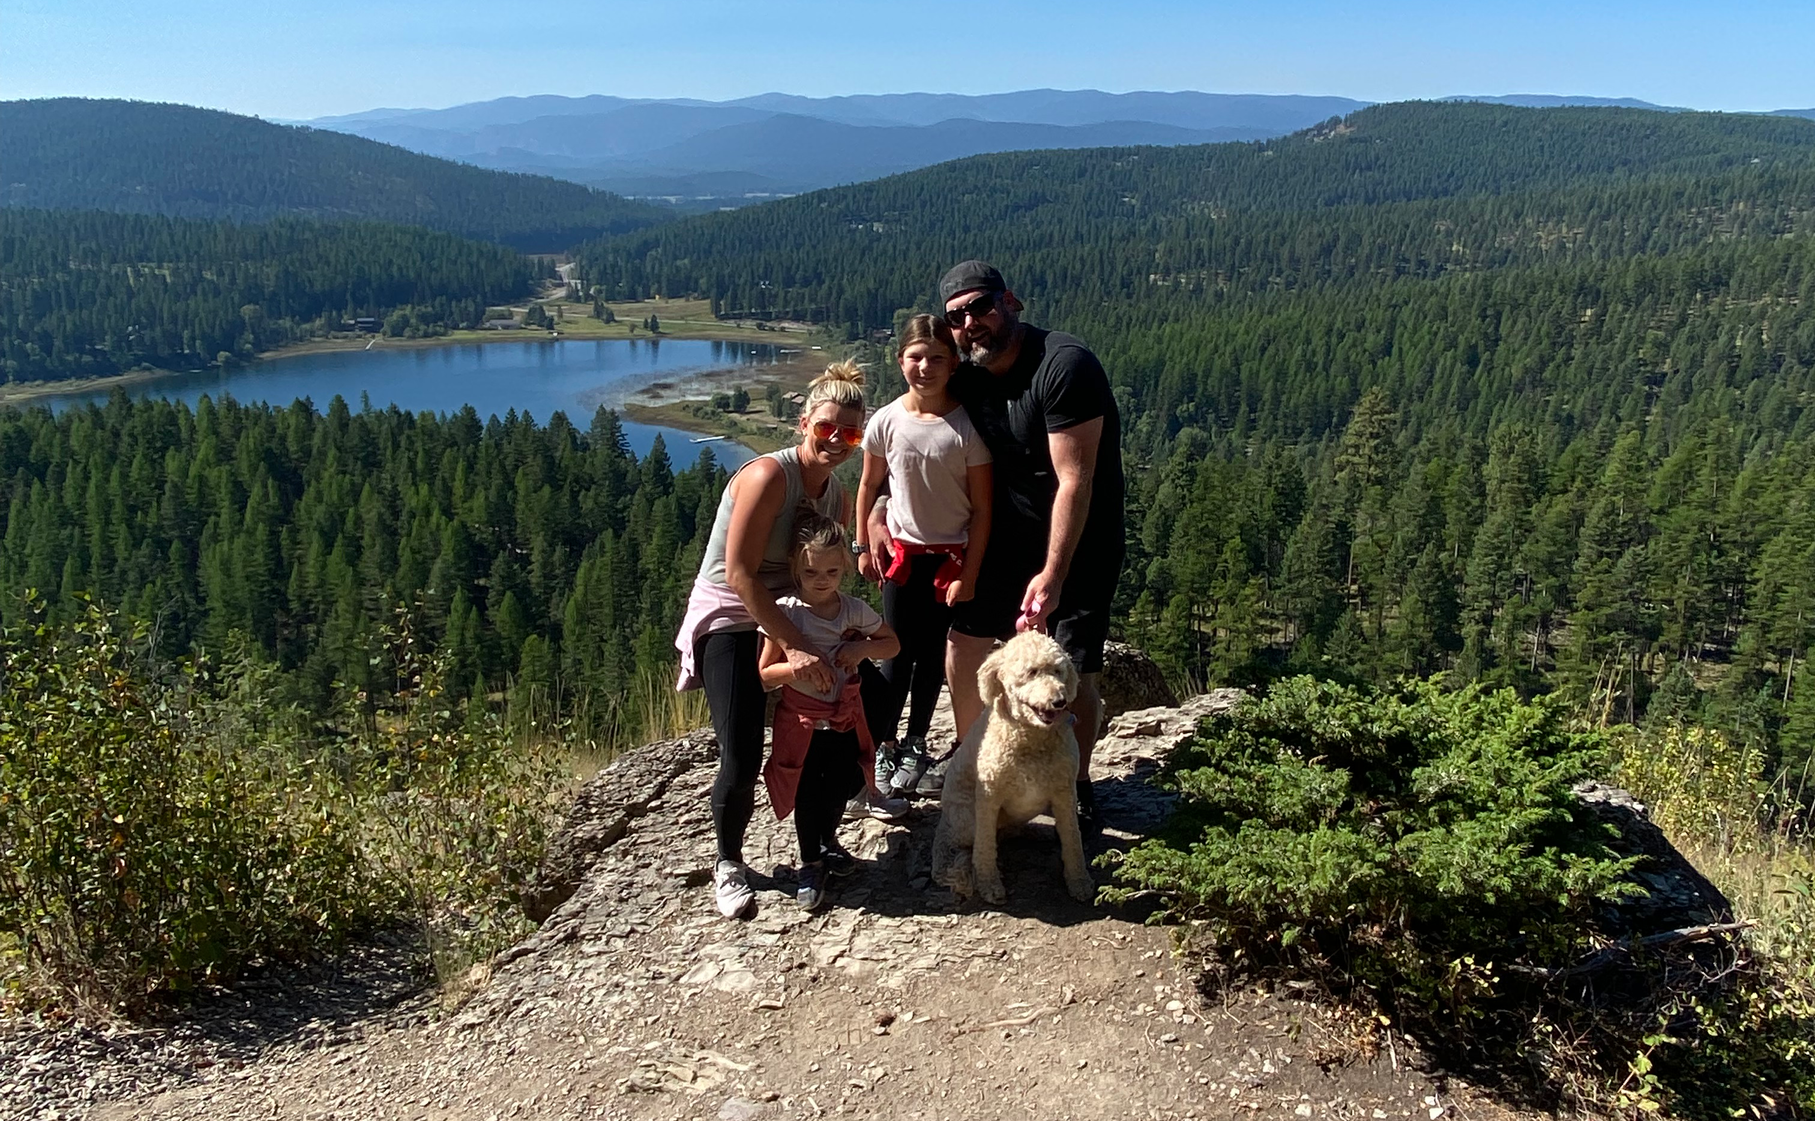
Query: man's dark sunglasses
x=976, y=309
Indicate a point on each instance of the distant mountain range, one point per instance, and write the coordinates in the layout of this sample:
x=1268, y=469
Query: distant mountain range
x=776, y=143
x=714, y=153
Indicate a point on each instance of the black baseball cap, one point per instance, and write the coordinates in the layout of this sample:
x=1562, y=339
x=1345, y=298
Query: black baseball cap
x=970, y=276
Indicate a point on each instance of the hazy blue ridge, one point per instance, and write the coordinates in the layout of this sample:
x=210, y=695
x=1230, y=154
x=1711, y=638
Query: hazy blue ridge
x=1560, y=101
x=782, y=143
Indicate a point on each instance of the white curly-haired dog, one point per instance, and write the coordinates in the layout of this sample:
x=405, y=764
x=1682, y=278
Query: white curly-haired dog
x=1019, y=760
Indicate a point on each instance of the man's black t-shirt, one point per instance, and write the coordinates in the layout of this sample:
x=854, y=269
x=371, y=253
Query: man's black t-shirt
x=1056, y=383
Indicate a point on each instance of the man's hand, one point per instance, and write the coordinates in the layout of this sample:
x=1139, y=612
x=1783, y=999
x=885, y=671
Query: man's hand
x=810, y=669
x=958, y=591
x=1041, y=596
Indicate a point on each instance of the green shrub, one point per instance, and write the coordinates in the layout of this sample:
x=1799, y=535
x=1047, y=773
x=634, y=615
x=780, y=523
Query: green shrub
x=162, y=831
x=1420, y=852
x=138, y=852
x=1415, y=837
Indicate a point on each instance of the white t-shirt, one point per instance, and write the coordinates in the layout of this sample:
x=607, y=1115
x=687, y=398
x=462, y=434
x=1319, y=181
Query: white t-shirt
x=855, y=621
x=928, y=458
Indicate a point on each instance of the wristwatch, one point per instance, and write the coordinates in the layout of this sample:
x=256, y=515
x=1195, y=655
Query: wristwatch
x=858, y=548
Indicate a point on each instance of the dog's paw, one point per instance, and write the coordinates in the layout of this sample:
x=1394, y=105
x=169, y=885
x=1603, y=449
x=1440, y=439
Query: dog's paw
x=990, y=890
x=1082, y=888
x=959, y=881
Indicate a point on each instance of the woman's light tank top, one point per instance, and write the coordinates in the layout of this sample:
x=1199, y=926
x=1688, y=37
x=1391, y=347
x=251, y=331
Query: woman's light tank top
x=774, y=571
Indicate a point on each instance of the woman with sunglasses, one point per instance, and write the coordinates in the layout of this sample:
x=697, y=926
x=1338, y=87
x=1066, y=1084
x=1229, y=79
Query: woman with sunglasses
x=745, y=569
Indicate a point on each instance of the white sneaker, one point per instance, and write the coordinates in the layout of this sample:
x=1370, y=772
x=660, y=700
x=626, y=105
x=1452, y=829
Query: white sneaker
x=731, y=885
x=879, y=806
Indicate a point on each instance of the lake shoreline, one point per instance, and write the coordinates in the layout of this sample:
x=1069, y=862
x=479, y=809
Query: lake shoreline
x=21, y=394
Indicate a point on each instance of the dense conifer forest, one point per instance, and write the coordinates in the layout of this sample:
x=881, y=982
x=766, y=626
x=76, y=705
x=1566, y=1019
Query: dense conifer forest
x=1521, y=394
x=532, y=553
x=87, y=293
x=146, y=158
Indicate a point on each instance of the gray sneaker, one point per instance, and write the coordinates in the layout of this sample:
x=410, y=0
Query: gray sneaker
x=932, y=781
x=811, y=892
x=912, y=765
x=885, y=764
x=731, y=887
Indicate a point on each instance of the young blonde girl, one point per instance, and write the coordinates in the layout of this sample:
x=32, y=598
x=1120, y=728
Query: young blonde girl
x=924, y=449
x=821, y=752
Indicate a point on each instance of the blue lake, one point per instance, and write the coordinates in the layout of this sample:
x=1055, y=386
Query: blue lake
x=534, y=377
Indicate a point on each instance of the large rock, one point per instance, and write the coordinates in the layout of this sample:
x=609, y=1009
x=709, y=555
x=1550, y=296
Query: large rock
x=1674, y=895
x=1131, y=681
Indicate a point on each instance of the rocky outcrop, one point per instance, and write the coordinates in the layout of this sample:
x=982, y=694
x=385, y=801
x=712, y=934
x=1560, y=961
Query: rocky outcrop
x=603, y=810
x=1131, y=681
x=636, y=1000
x=1672, y=894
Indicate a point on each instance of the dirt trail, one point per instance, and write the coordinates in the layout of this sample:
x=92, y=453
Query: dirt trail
x=635, y=1000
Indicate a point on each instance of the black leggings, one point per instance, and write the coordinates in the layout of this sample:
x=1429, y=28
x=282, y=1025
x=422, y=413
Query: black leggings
x=918, y=614
x=828, y=779
x=734, y=693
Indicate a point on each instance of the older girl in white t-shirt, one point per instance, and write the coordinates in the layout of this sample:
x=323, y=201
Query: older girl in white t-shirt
x=937, y=473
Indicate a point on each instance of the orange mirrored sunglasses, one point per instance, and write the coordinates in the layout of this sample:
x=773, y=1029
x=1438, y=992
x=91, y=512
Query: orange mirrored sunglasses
x=840, y=433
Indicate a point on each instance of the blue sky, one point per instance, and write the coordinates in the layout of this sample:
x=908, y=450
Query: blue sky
x=307, y=60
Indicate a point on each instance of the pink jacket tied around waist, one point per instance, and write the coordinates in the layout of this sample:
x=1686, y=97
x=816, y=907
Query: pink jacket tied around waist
x=795, y=715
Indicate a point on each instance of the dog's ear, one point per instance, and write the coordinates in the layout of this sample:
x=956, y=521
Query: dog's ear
x=989, y=682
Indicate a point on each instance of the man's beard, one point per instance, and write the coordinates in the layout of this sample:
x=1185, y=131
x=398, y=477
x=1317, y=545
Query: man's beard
x=981, y=352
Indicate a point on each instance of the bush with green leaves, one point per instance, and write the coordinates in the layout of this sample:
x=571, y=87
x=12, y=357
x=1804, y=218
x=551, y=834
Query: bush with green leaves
x=1416, y=840
x=165, y=827
x=139, y=850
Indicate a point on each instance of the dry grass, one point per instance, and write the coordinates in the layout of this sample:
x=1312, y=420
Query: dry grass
x=650, y=710
x=1710, y=797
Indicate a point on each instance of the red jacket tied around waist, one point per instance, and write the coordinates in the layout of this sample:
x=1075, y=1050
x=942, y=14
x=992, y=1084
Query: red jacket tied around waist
x=901, y=562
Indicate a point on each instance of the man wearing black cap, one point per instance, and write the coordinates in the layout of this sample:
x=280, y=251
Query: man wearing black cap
x=1043, y=406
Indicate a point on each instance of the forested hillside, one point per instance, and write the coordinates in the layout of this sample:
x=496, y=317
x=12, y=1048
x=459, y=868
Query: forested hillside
x=88, y=293
x=146, y=158
x=1419, y=187
x=1520, y=394
x=537, y=554
x=1523, y=394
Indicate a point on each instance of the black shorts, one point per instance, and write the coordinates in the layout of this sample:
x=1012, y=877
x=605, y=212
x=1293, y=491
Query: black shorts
x=1080, y=620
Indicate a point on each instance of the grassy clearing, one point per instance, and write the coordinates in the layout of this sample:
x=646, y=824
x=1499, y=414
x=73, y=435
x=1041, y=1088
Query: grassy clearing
x=678, y=319
x=757, y=431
